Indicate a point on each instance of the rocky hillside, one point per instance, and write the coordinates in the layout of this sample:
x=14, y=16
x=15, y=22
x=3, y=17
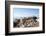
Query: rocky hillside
x=26, y=22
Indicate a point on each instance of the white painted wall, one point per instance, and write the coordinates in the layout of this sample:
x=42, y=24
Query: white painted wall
x=2, y=18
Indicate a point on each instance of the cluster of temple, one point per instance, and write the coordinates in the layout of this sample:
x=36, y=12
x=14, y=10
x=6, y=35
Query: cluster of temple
x=26, y=22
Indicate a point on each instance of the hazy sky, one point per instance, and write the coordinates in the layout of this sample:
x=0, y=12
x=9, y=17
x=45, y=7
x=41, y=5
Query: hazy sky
x=25, y=12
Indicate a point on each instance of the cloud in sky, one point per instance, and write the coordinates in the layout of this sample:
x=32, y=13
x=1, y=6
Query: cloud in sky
x=25, y=12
